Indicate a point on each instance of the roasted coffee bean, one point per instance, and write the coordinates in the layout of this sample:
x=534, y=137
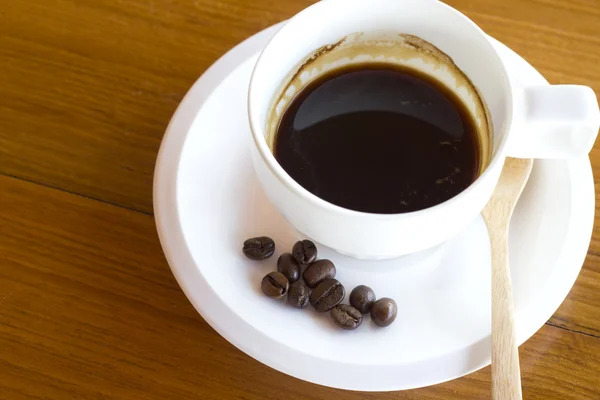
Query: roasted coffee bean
x=287, y=265
x=362, y=298
x=346, y=316
x=275, y=284
x=318, y=271
x=384, y=312
x=305, y=252
x=259, y=248
x=327, y=295
x=299, y=294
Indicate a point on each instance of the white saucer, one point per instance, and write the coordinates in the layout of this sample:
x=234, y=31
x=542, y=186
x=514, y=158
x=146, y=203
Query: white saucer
x=207, y=201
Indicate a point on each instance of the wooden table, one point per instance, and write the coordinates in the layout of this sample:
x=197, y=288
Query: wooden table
x=88, y=306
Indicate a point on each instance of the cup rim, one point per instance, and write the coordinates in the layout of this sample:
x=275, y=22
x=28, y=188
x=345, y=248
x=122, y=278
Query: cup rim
x=268, y=157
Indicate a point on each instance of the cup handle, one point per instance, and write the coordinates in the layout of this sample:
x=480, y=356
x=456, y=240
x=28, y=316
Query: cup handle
x=559, y=122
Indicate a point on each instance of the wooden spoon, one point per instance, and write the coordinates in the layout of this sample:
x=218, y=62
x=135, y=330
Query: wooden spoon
x=506, y=374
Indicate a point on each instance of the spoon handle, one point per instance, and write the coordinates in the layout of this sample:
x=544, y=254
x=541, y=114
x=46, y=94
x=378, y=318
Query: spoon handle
x=506, y=373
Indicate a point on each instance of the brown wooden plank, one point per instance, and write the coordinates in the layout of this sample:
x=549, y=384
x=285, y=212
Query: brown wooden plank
x=89, y=310
x=581, y=309
x=89, y=87
x=88, y=307
x=83, y=108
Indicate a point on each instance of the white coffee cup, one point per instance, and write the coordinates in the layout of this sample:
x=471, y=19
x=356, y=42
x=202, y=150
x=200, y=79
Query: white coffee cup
x=533, y=122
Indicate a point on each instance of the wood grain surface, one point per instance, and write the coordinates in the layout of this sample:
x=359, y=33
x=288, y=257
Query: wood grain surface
x=88, y=306
x=497, y=214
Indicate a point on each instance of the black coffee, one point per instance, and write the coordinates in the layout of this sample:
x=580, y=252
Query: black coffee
x=380, y=139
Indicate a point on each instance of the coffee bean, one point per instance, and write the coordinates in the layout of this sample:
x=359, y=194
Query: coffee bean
x=305, y=252
x=327, y=295
x=318, y=271
x=287, y=265
x=384, y=312
x=275, y=284
x=346, y=316
x=259, y=248
x=362, y=298
x=299, y=294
